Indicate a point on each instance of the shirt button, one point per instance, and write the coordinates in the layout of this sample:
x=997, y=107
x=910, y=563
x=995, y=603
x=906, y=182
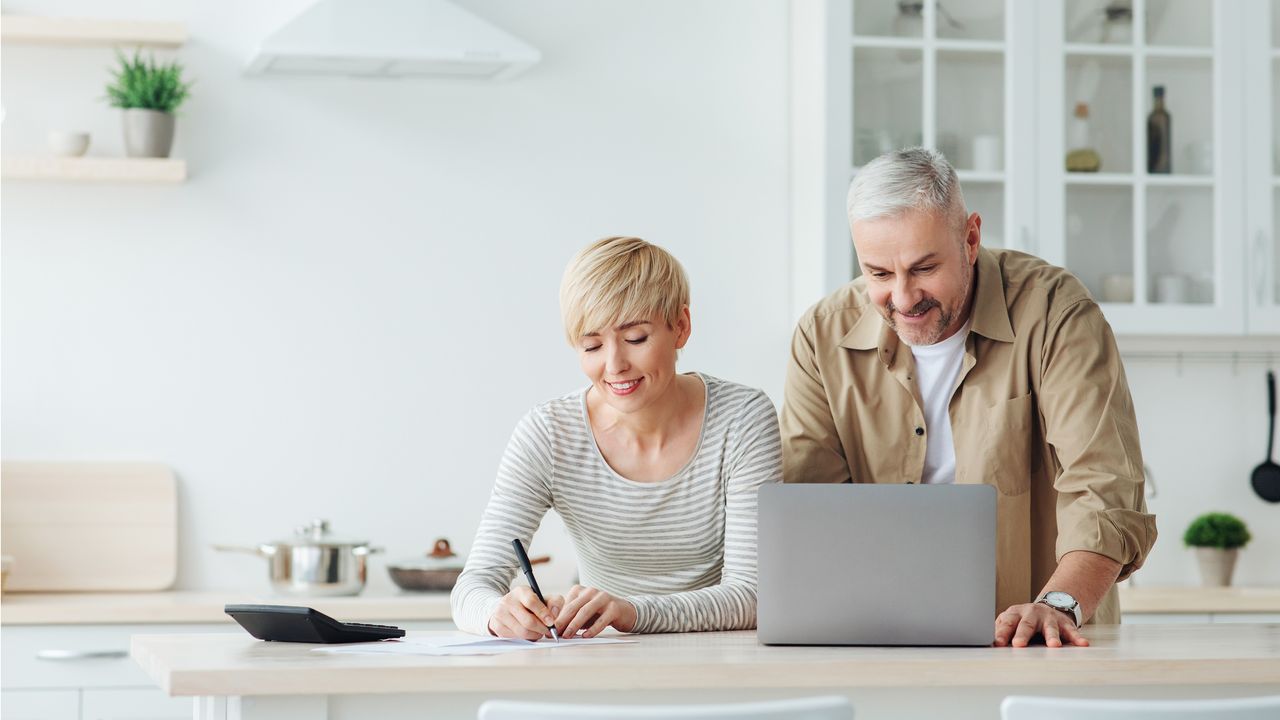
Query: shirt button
x=919, y=431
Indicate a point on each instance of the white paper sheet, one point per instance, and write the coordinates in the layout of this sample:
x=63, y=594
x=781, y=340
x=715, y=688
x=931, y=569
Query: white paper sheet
x=461, y=644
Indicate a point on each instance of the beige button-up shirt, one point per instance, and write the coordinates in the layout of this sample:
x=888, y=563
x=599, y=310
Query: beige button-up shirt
x=1042, y=411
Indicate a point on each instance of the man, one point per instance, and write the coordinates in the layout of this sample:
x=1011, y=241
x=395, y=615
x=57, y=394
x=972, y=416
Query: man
x=947, y=362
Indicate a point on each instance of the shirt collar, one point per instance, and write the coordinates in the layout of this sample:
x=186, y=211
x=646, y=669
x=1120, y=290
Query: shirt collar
x=989, y=318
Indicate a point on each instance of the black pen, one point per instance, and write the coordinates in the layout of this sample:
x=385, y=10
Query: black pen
x=533, y=582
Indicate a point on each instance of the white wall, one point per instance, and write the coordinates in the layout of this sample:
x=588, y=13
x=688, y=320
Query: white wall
x=346, y=308
x=1203, y=429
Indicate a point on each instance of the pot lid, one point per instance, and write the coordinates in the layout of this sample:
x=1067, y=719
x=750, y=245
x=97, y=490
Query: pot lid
x=317, y=532
x=439, y=557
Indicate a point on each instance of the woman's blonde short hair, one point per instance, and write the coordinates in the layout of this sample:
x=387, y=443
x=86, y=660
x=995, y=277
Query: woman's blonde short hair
x=617, y=280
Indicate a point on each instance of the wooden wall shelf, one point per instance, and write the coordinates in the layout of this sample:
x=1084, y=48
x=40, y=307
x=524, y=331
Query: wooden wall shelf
x=92, y=169
x=33, y=30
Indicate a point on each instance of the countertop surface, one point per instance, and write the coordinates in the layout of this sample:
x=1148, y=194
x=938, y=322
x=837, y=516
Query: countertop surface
x=1131, y=655
x=1143, y=599
x=206, y=607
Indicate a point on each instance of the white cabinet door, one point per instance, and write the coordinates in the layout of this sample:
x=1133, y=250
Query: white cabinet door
x=1261, y=46
x=1162, y=252
x=40, y=704
x=870, y=77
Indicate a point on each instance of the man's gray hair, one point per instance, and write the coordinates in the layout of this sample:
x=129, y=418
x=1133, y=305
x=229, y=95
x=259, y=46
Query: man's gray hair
x=909, y=179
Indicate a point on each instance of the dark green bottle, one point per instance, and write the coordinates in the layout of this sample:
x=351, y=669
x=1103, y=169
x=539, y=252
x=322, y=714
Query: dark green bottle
x=1159, y=139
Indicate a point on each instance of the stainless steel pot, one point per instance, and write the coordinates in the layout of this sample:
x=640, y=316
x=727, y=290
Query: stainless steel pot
x=314, y=562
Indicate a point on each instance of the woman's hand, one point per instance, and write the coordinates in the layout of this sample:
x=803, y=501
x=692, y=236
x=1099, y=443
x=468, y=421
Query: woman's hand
x=591, y=611
x=520, y=614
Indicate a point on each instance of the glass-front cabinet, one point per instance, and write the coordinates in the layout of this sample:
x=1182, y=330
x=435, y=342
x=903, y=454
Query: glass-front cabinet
x=1139, y=173
x=1134, y=142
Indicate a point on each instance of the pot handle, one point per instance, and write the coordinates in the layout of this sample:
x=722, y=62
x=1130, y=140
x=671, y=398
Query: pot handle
x=260, y=551
x=366, y=550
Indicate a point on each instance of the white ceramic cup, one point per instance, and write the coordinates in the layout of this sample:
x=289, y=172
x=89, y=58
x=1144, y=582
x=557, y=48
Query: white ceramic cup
x=987, y=153
x=1173, y=288
x=1199, y=156
x=66, y=143
x=1117, y=288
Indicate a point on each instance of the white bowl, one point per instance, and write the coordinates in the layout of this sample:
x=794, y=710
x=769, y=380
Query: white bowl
x=68, y=144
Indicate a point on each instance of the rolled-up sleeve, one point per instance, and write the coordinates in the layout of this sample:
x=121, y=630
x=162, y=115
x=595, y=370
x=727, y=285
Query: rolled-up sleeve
x=1090, y=424
x=811, y=450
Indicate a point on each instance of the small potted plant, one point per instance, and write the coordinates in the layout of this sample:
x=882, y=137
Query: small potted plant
x=149, y=94
x=1217, y=538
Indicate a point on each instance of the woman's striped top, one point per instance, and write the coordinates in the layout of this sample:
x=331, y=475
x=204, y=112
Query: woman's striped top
x=682, y=550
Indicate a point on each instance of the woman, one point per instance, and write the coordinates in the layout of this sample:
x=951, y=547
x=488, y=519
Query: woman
x=654, y=473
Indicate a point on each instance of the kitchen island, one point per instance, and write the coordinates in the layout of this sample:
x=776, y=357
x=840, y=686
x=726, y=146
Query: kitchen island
x=236, y=677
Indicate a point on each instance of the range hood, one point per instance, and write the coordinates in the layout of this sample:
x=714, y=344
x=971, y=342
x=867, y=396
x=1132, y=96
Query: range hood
x=392, y=38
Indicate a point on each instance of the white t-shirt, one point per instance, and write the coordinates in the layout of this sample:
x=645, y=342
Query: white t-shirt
x=937, y=369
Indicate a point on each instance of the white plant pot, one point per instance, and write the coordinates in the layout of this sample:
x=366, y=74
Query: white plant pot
x=1216, y=566
x=147, y=133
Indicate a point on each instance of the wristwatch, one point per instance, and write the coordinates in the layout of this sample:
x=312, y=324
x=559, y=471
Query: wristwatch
x=1062, y=602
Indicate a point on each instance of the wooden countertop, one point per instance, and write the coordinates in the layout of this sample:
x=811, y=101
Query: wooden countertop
x=205, y=607
x=218, y=664
x=1143, y=599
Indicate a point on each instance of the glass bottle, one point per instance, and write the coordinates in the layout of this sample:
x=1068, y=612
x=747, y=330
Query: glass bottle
x=1081, y=156
x=1159, y=138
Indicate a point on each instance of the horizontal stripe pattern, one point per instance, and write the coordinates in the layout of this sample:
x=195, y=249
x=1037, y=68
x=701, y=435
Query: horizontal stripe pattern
x=682, y=550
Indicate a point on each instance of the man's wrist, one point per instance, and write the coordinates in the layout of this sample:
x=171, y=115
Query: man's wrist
x=1064, y=603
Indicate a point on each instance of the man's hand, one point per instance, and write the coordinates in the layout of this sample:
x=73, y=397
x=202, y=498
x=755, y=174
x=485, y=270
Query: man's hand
x=1020, y=623
x=592, y=610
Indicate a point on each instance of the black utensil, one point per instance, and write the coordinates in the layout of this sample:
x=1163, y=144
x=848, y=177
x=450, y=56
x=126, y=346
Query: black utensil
x=1266, y=477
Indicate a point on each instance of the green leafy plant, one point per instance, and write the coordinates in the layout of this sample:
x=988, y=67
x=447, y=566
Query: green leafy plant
x=144, y=84
x=1217, y=530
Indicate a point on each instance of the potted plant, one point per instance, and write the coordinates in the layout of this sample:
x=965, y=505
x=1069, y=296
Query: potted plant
x=149, y=94
x=1217, y=538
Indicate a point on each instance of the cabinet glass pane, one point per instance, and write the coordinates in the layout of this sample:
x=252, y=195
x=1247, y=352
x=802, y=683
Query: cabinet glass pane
x=970, y=107
x=891, y=18
x=987, y=199
x=1186, y=23
x=1105, y=83
x=1275, y=246
x=1275, y=116
x=1180, y=245
x=1188, y=98
x=971, y=19
x=1275, y=23
x=888, y=97
x=1098, y=21
x=1099, y=239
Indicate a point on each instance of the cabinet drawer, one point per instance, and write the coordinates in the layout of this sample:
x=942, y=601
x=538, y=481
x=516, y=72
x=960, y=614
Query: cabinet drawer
x=135, y=704
x=78, y=656
x=39, y=704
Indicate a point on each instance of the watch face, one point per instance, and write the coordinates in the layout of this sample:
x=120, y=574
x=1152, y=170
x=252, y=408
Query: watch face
x=1059, y=599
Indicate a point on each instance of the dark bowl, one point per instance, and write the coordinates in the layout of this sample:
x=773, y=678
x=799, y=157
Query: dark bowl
x=420, y=580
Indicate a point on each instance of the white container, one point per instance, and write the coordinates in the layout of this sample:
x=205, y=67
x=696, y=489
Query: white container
x=987, y=153
x=1117, y=288
x=1173, y=288
x=66, y=143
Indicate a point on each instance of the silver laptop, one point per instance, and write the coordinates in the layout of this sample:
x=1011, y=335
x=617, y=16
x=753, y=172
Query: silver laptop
x=867, y=564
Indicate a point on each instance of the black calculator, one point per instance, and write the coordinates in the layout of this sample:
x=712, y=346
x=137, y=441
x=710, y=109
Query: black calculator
x=293, y=623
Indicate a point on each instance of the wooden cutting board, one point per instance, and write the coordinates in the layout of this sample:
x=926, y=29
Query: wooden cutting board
x=89, y=526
